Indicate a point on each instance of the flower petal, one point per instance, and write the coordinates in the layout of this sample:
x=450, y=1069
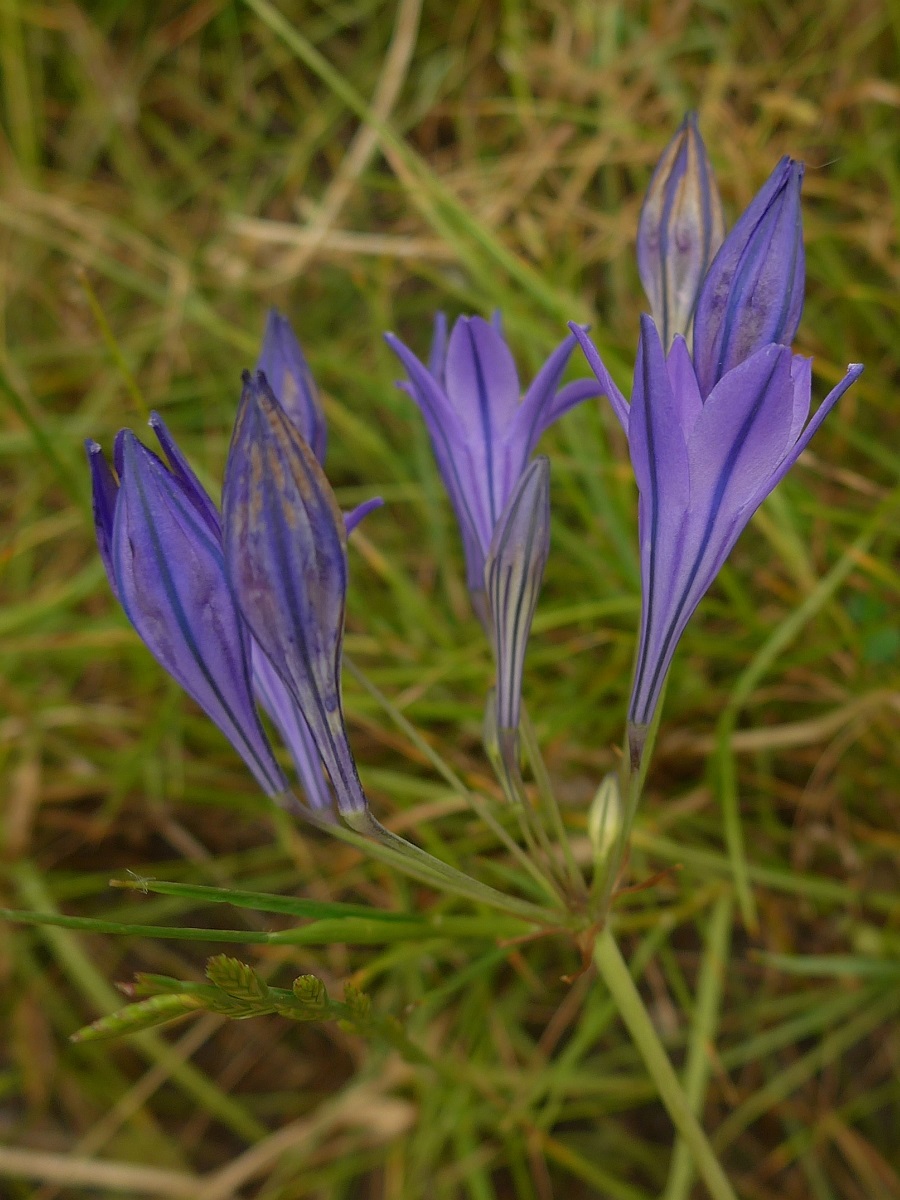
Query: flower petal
x=105, y=493
x=448, y=440
x=753, y=292
x=286, y=558
x=278, y=702
x=482, y=384
x=357, y=515
x=659, y=457
x=544, y=403
x=606, y=381
x=184, y=473
x=742, y=433
x=685, y=389
x=287, y=372
x=854, y=370
x=172, y=585
x=655, y=435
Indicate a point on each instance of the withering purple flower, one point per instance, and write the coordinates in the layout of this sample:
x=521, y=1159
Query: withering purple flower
x=680, y=229
x=706, y=457
x=286, y=558
x=481, y=433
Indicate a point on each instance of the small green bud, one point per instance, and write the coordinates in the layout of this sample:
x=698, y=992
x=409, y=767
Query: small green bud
x=605, y=817
x=236, y=979
x=358, y=1004
x=310, y=991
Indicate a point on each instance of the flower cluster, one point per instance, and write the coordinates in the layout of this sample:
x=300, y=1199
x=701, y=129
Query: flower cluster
x=711, y=428
x=245, y=608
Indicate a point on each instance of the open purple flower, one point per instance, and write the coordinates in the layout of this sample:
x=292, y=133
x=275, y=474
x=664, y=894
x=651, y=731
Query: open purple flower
x=481, y=433
x=705, y=457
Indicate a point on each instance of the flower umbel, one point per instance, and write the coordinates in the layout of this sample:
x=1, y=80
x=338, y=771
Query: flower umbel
x=705, y=457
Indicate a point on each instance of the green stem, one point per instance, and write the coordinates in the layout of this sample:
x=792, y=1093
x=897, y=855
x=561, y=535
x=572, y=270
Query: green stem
x=548, y=796
x=639, y=743
x=703, y=1035
x=474, y=801
x=627, y=999
x=373, y=839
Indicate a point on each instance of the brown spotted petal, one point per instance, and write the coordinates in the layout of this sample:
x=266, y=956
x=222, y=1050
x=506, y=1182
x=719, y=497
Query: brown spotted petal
x=286, y=557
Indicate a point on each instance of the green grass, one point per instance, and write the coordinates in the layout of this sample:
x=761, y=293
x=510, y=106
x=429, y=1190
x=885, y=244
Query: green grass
x=509, y=145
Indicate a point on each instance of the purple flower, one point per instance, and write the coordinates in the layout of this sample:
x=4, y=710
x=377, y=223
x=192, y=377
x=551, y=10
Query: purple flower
x=703, y=467
x=706, y=457
x=482, y=435
x=160, y=539
x=680, y=229
x=165, y=565
x=285, y=547
x=752, y=295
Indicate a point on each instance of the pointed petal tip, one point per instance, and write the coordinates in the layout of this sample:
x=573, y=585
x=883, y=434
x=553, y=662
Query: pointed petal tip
x=356, y=515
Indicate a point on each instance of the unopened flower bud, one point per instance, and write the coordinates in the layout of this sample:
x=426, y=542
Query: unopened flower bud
x=605, y=817
x=512, y=579
x=680, y=230
x=310, y=991
x=753, y=292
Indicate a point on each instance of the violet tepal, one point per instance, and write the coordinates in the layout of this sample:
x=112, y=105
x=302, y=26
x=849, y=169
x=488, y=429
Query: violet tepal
x=752, y=295
x=680, y=229
x=165, y=565
x=705, y=457
x=285, y=547
x=482, y=433
x=284, y=365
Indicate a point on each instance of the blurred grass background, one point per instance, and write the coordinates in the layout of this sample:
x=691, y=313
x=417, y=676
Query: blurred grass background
x=170, y=170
